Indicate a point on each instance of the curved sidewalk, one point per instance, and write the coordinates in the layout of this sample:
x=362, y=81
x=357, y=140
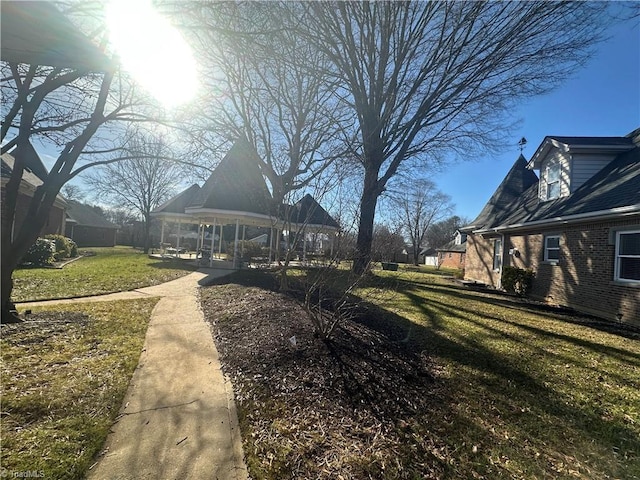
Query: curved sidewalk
x=178, y=419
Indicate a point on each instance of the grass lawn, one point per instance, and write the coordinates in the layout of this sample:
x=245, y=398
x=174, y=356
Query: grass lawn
x=64, y=376
x=109, y=270
x=432, y=381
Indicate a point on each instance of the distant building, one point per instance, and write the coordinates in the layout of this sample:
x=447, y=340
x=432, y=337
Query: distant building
x=87, y=227
x=452, y=255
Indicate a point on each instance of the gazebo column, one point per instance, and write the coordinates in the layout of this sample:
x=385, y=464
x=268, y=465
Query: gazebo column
x=178, y=238
x=213, y=233
x=201, y=229
x=220, y=241
x=242, y=244
x=236, y=263
x=277, y=256
x=213, y=240
x=270, y=244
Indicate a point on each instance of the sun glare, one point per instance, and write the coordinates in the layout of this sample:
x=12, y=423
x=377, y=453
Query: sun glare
x=153, y=51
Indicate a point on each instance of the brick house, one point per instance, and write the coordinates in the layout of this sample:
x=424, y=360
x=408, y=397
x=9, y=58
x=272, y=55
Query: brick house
x=32, y=177
x=87, y=227
x=452, y=255
x=577, y=226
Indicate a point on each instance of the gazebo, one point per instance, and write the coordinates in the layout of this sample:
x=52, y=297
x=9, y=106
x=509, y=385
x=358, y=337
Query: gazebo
x=236, y=195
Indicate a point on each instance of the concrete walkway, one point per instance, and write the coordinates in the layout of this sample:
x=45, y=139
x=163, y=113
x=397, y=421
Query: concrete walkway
x=178, y=420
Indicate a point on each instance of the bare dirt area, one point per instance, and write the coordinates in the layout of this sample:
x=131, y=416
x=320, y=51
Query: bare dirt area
x=346, y=402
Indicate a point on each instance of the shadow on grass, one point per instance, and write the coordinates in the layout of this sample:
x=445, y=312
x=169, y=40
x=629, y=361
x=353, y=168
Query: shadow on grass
x=389, y=365
x=173, y=264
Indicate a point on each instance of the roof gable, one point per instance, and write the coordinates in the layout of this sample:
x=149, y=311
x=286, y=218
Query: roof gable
x=612, y=145
x=615, y=187
x=517, y=181
x=236, y=184
x=178, y=203
x=307, y=211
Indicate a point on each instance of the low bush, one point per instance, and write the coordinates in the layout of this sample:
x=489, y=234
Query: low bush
x=65, y=247
x=40, y=253
x=517, y=280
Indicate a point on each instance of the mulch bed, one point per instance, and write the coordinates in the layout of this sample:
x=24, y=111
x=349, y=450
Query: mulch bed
x=349, y=402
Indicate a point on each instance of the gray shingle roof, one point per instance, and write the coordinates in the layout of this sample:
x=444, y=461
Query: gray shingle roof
x=592, y=141
x=452, y=246
x=308, y=211
x=86, y=215
x=37, y=32
x=517, y=181
x=615, y=186
x=236, y=184
x=178, y=203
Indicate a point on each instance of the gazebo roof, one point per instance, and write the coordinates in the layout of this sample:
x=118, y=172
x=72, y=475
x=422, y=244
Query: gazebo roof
x=178, y=203
x=307, y=211
x=236, y=184
x=236, y=190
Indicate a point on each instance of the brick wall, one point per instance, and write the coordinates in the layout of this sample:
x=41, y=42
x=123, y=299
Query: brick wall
x=54, y=222
x=87, y=236
x=451, y=259
x=479, y=261
x=583, y=276
x=581, y=279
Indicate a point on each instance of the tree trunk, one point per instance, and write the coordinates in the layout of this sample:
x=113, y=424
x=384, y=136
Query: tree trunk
x=416, y=254
x=368, y=202
x=147, y=229
x=9, y=314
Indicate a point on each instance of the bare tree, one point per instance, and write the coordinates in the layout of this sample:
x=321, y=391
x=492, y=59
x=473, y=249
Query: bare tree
x=416, y=205
x=269, y=86
x=141, y=183
x=68, y=108
x=428, y=79
x=442, y=232
x=387, y=244
x=72, y=192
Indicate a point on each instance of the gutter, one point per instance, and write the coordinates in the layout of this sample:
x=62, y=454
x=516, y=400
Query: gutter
x=590, y=216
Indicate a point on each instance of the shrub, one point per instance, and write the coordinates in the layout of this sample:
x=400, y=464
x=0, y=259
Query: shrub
x=74, y=248
x=64, y=247
x=517, y=280
x=40, y=253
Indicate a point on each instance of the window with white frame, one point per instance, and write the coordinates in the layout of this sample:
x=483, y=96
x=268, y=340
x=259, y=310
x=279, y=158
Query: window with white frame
x=552, y=248
x=553, y=180
x=497, y=254
x=627, y=268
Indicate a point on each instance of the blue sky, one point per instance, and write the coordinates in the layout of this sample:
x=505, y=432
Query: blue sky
x=603, y=99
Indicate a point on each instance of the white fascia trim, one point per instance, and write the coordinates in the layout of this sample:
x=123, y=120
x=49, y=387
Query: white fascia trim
x=232, y=214
x=599, y=215
x=543, y=150
x=174, y=216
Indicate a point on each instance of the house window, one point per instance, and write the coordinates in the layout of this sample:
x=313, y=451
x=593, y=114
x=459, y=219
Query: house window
x=552, y=248
x=497, y=254
x=553, y=181
x=627, y=268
